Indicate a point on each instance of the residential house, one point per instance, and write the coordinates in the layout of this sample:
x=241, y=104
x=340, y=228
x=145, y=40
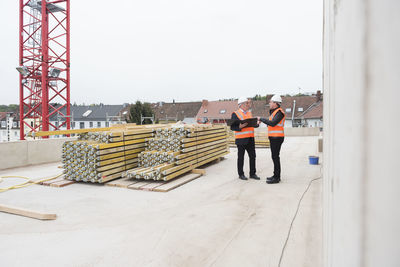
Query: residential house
x=300, y=111
x=9, y=126
x=313, y=117
x=92, y=116
x=175, y=111
x=296, y=107
x=216, y=111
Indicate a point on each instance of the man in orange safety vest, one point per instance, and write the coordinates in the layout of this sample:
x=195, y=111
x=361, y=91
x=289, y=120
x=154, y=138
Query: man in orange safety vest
x=244, y=137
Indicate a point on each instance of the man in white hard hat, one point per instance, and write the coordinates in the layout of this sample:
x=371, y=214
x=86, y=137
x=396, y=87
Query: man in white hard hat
x=244, y=137
x=276, y=135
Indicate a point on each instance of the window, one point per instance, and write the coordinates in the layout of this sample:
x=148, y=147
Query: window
x=15, y=133
x=82, y=125
x=98, y=124
x=300, y=109
x=288, y=110
x=14, y=124
x=222, y=111
x=87, y=113
x=107, y=124
x=73, y=125
x=91, y=124
x=3, y=124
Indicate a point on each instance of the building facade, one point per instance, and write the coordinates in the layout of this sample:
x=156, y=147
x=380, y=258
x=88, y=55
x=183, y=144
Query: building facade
x=9, y=126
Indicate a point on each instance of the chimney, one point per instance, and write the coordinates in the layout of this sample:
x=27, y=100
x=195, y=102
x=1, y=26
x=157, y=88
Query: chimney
x=319, y=96
x=204, y=103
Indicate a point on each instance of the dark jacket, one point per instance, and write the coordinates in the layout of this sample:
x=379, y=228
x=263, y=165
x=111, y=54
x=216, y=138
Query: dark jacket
x=235, y=121
x=275, y=120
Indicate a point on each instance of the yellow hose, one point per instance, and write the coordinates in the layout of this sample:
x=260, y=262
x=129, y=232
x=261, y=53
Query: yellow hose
x=27, y=183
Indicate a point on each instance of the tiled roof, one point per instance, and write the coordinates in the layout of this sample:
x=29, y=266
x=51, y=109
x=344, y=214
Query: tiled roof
x=315, y=112
x=3, y=115
x=302, y=104
x=260, y=108
x=217, y=109
x=178, y=110
x=98, y=112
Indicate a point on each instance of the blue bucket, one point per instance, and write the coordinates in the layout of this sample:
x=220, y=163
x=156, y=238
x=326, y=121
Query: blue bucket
x=313, y=160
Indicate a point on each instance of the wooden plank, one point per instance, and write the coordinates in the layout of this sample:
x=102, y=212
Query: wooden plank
x=151, y=186
x=199, y=171
x=62, y=183
x=62, y=132
x=139, y=184
x=177, y=182
x=27, y=213
x=123, y=182
x=48, y=183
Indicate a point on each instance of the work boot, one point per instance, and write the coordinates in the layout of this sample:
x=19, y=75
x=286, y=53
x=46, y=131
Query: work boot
x=255, y=177
x=274, y=180
x=242, y=177
x=270, y=178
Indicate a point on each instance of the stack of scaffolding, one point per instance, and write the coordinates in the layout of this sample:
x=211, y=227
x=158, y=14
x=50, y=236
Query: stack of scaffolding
x=99, y=157
x=179, y=149
x=260, y=138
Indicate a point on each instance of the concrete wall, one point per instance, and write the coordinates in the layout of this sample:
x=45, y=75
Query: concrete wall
x=361, y=152
x=23, y=153
x=14, y=135
x=302, y=131
x=314, y=122
x=296, y=131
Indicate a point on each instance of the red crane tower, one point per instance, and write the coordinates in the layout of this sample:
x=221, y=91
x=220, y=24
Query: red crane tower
x=44, y=59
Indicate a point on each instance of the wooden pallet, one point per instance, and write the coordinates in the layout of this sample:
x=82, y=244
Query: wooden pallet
x=59, y=182
x=157, y=186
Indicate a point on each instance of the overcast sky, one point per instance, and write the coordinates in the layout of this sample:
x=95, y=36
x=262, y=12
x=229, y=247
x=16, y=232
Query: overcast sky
x=158, y=50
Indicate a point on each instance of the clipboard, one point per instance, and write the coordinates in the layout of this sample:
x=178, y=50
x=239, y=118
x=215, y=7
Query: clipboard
x=251, y=122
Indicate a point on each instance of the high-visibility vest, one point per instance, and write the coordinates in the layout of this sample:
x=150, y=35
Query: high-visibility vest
x=246, y=132
x=277, y=130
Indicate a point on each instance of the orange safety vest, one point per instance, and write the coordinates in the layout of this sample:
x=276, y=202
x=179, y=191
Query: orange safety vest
x=246, y=132
x=277, y=130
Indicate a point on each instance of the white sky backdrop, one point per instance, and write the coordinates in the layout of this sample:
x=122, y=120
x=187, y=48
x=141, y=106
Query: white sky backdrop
x=154, y=50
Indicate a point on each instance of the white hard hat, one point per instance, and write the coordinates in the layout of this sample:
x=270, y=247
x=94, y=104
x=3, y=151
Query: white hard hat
x=242, y=99
x=276, y=98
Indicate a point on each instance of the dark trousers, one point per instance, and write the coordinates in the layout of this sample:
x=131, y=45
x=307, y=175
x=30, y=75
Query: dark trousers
x=251, y=151
x=276, y=143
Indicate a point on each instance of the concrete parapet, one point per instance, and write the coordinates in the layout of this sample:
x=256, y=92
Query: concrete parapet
x=297, y=131
x=30, y=152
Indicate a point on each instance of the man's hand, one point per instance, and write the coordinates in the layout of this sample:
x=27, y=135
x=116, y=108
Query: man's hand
x=242, y=125
x=258, y=120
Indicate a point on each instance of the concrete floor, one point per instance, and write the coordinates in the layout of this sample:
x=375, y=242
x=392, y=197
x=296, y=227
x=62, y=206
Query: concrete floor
x=216, y=220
